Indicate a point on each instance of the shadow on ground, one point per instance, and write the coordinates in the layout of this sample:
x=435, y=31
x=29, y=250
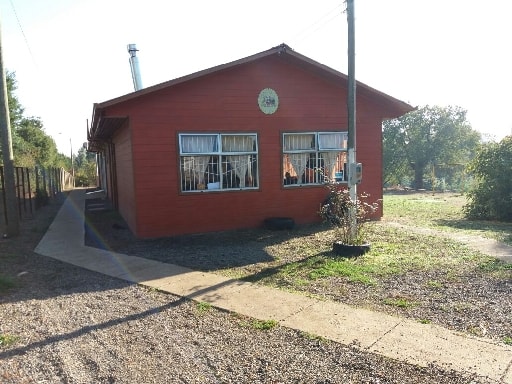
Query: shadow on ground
x=206, y=252
x=27, y=275
x=504, y=229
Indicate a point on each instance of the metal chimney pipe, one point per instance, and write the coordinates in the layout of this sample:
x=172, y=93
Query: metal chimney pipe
x=134, y=65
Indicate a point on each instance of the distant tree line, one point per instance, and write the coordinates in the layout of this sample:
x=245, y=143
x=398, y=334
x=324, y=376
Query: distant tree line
x=434, y=148
x=429, y=148
x=33, y=147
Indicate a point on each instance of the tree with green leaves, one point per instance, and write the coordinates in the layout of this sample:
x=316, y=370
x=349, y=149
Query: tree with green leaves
x=35, y=147
x=429, y=137
x=15, y=108
x=491, y=195
x=85, y=165
x=31, y=145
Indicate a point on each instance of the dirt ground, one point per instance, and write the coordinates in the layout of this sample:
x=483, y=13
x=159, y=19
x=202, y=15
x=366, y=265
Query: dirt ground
x=63, y=324
x=465, y=298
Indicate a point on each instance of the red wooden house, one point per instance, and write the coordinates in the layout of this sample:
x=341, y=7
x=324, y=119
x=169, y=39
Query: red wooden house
x=229, y=146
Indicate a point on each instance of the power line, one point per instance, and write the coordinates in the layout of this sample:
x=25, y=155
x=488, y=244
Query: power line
x=22, y=32
x=317, y=25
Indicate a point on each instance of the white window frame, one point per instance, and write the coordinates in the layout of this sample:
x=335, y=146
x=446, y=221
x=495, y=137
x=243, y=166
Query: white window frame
x=208, y=162
x=297, y=169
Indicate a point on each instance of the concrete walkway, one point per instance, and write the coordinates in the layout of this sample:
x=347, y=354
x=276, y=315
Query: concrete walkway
x=380, y=333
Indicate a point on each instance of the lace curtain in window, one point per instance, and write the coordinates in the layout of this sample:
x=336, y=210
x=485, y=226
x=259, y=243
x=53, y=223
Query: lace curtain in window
x=196, y=165
x=240, y=164
x=199, y=143
x=335, y=140
x=297, y=143
x=330, y=162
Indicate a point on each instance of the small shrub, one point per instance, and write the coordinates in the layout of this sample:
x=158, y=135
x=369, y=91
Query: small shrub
x=264, y=325
x=313, y=337
x=203, y=306
x=347, y=216
x=434, y=284
x=399, y=302
x=354, y=272
x=490, y=197
x=7, y=340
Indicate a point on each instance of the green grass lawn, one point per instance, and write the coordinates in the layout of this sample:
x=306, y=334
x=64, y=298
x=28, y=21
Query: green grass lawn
x=441, y=211
x=394, y=251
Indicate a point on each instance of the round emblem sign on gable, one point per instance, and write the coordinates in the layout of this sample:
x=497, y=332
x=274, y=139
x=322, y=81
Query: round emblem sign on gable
x=268, y=101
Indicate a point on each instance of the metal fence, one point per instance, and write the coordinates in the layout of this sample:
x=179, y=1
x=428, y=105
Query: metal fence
x=34, y=187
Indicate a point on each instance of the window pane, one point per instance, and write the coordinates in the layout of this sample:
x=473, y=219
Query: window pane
x=193, y=169
x=239, y=171
x=332, y=140
x=333, y=166
x=218, y=161
x=198, y=143
x=297, y=142
x=238, y=143
x=305, y=162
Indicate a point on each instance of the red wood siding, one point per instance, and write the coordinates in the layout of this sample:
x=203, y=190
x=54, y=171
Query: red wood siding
x=226, y=101
x=125, y=177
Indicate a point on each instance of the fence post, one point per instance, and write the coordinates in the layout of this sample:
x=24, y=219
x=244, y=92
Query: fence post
x=29, y=192
x=17, y=184
x=43, y=171
x=4, y=199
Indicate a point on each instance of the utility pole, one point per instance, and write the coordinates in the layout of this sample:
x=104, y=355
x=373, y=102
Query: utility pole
x=13, y=220
x=351, y=107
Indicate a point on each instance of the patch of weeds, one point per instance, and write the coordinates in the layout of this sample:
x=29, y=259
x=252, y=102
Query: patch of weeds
x=445, y=308
x=301, y=282
x=496, y=267
x=507, y=340
x=397, y=251
x=313, y=337
x=425, y=321
x=476, y=331
x=400, y=302
x=7, y=340
x=6, y=283
x=153, y=289
x=506, y=238
x=203, y=306
x=351, y=269
x=434, y=284
x=239, y=318
x=461, y=307
x=423, y=210
x=264, y=325
x=452, y=276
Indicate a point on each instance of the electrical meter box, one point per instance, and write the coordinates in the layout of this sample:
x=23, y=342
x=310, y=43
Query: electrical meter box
x=356, y=173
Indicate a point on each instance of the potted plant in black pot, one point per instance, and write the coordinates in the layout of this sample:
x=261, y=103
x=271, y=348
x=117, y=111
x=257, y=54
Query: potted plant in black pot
x=348, y=217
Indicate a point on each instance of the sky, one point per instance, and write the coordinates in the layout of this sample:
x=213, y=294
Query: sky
x=70, y=54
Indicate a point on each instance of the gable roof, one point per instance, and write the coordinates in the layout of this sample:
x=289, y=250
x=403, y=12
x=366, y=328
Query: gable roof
x=102, y=126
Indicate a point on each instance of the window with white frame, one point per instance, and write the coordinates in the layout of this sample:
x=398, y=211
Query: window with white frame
x=314, y=157
x=218, y=161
